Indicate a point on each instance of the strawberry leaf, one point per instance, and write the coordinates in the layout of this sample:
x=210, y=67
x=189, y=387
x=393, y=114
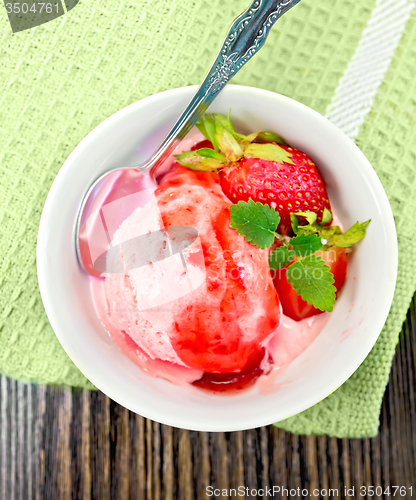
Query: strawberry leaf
x=335, y=237
x=226, y=123
x=313, y=281
x=309, y=216
x=326, y=216
x=206, y=126
x=211, y=153
x=294, y=222
x=256, y=222
x=205, y=159
x=298, y=229
x=281, y=257
x=227, y=143
x=269, y=152
x=261, y=137
x=310, y=228
x=305, y=244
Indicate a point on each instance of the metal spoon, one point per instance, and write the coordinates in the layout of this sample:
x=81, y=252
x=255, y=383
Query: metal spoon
x=245, y=37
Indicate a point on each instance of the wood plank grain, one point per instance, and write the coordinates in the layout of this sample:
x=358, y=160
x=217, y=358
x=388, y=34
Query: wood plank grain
x=250, y=462
x=375, y=462
x=4, y=436
x=168, y=472
x=279, y=462
x=100, y=446
x=385, y=448
x=219, y=461
x=345, y=464
x=323, y=464
x=149, y=460
x=32, y=417
x=13, y=436
x=85, y=448
x=201, y=464
x=333, y=468
x=58, y=443
x=311, y=472
x=157, y=462
x=22, y=472
x=62, y=456
x=137, y=467
x=263, y=457
x=185, y=483
x=119, y=451
x=76, y=436
x=294, y=469
x=39, y=450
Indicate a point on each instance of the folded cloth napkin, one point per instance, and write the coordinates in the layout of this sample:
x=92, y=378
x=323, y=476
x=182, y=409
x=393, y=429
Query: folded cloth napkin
x=61, y=79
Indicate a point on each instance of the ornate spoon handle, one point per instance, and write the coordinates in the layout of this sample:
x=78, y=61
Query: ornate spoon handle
x=245, y=37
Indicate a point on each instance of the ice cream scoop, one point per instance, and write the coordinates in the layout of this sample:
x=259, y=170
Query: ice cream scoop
x=211, y=315
x=246, y=36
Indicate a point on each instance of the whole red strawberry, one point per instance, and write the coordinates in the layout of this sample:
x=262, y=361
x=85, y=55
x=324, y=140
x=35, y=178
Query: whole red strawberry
x=261, y=167
x=287, y=187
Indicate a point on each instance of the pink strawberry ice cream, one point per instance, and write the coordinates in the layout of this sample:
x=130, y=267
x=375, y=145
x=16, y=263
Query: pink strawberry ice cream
x=211, y=315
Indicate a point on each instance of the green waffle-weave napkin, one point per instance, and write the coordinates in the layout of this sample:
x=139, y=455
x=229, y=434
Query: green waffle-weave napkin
x=61, y=79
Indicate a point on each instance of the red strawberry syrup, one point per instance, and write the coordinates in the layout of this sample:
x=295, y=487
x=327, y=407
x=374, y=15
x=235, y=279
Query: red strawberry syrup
x=233, y=382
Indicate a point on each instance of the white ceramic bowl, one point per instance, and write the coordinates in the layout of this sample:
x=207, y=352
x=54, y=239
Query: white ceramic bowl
x=356, y=194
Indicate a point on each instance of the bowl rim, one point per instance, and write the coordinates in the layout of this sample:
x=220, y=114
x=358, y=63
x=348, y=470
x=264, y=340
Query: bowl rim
x=146, y=409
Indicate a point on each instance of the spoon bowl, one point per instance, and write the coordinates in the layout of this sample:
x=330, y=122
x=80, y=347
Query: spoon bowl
x=92, y=235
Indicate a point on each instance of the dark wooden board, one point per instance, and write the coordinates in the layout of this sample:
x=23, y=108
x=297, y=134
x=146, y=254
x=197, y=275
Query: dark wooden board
x=62, y=443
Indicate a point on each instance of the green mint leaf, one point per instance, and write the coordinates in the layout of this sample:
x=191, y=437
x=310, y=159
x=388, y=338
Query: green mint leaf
x=335, y=237
x=256, y=222
x=305, y=244
x=260, y=137
x=313, y=281
x=326, y=216
x=281, y=257
x=206, y=126
x=309, y=216
x=269, y=152
x=204, y=159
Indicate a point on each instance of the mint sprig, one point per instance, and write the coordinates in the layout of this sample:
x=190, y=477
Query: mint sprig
x=309, y=275
x=299, y=246
x=333, y=235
